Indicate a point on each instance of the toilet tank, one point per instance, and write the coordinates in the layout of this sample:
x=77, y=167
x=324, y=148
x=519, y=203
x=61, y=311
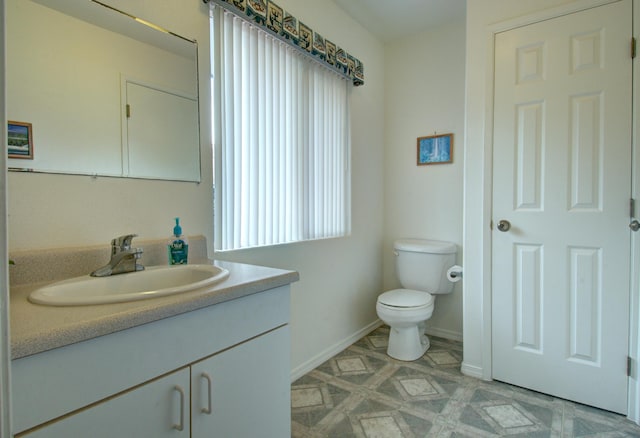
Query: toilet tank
x=422, y=264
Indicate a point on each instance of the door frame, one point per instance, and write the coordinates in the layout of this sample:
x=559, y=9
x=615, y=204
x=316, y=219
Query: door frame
x=477, y=289
x=5, y=347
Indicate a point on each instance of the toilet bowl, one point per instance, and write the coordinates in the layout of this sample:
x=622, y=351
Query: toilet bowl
x=421, y=267
x=406, y=312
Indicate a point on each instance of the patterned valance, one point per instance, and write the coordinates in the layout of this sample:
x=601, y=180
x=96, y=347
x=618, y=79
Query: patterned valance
x=288, y=28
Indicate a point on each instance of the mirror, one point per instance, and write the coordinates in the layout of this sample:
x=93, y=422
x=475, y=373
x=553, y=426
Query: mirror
x=105, y=93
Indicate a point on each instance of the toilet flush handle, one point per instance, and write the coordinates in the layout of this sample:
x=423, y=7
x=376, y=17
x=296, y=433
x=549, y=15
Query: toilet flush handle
x=395, y=253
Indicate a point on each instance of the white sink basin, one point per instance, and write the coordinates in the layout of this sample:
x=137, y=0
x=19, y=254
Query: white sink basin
x=154, y=281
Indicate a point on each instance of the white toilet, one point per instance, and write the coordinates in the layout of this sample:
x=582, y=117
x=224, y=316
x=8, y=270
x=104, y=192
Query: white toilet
x=421, y=267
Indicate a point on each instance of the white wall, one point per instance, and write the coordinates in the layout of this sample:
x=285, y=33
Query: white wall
x=424, y=93
x=340, y=278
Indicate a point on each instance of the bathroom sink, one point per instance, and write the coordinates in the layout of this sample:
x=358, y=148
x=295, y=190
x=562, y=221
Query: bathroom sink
x=154, y=281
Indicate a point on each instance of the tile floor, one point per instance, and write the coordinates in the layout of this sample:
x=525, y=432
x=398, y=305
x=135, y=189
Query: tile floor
x=361, y=392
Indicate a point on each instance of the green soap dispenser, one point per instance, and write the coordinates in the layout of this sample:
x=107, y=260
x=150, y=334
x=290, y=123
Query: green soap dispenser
x=178, y=247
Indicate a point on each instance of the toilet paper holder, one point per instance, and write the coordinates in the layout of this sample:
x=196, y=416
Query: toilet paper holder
x=454, y=273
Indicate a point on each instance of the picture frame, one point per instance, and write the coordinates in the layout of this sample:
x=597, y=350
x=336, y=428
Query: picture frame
x=435, y=149
x=19, y=140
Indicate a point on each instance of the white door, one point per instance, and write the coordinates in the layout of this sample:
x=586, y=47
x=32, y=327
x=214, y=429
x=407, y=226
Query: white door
x=161, y=134
x=562, y=178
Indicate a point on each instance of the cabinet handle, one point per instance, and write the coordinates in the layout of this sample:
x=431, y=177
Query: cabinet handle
x=180, y=425
x=207, y=410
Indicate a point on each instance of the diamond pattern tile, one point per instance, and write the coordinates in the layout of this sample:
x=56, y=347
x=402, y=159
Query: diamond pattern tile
x=379, y=341
x=507, y=416
x=353, y=364
x=443, y=358
x=416, y=387
x=363, y=393
x=381, y=427
x=306, y=397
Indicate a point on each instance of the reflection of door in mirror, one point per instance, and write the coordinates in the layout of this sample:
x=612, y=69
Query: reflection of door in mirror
x=158, y=122
x=64, y=77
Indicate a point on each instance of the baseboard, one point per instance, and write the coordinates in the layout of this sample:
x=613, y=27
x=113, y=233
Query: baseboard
x=323, y=356
x=444, y=333
x=471, y=371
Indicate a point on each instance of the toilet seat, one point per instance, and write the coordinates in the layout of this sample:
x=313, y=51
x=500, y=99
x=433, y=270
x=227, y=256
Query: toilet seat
x=406, y=299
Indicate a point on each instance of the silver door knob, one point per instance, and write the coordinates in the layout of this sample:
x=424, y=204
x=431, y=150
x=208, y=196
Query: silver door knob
x=634, y=225
x=504, y=225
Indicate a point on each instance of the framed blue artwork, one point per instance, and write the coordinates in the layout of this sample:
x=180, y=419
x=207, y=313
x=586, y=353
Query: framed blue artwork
x=435, y=149
x=19, y=140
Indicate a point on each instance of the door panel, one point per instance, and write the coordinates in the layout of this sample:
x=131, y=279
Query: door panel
x=562, y=178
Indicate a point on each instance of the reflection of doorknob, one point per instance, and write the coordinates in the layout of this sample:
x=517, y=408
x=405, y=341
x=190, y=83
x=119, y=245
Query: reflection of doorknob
x=634, y=225
x=504, y=225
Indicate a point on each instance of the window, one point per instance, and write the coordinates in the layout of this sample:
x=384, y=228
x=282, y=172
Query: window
x=282, y=140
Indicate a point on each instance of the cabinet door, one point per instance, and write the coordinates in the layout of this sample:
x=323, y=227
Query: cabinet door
x=244, y=392
x=156, y=409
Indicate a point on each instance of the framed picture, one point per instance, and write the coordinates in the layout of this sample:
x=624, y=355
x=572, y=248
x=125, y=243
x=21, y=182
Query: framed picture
x=20, y=140
x=435, y=149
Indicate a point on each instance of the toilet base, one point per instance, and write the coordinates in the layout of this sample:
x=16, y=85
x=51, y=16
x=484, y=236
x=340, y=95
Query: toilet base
x=408, y=343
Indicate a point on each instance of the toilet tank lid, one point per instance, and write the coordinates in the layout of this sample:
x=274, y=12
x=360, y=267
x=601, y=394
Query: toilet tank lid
x=427, y=246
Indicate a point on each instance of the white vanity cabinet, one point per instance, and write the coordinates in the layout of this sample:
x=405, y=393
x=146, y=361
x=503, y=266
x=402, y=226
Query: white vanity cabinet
x=155, y=409
x=219, y=371
x=243, y=405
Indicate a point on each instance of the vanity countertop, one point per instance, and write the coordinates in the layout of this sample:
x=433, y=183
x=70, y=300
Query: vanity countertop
x=36, y=328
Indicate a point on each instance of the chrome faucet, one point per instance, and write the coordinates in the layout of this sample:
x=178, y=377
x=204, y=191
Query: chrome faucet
x=123, y=258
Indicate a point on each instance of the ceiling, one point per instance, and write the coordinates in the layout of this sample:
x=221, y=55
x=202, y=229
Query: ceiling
x=392, y=19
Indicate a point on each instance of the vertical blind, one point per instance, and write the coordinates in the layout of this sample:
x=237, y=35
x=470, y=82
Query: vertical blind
x=281, y=127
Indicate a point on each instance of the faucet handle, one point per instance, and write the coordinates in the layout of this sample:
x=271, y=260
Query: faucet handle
x=122, y=243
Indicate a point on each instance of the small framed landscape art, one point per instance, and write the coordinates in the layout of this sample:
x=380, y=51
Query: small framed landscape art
x=435, y=149
x=19, y=140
